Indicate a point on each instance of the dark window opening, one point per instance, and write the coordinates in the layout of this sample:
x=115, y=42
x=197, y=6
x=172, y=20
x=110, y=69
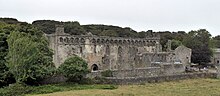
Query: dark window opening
x=81, y=50
x=61, y=39
x=107, y=50
x=95, y=67
x=65, y=40
x=94, y=50
x=120, y=51
x=217, y=61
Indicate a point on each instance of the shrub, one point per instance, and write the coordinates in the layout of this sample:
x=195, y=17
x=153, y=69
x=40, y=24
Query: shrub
x=15, y=90
x=74, y=68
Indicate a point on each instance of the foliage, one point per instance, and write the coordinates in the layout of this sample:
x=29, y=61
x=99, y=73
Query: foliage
x=148, y=33
x=15, y=90
x=21, y=89
x=5, y=76
x=6, y=28
x=74, y=28
x=216, y=41
x=175, y=44
x=109, y=30
x=74, y=68
x=166, y=35
x=26, y=35
x=110, y=33
x=9, y=20
x=67, y=87
x=107, y=73
x=47, y=26
x=199, y=42
x=28, y=58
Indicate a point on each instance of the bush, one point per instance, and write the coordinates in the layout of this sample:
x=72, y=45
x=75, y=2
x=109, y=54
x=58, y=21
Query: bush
x=74, y=68
x=15, y=90
x=107, y=73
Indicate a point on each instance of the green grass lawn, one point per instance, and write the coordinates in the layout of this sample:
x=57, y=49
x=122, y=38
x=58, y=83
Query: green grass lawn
x=192, y=87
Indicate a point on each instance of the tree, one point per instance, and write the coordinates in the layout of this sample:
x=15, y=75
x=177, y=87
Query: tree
x=216, y=41
x=25, y=32
x=109, y=30
x=199, y=42
x=175, y=44
x=9, y=20
x=167, y=35
x=74, y=68
x=110, y=33
x=47, y=26
x=28, y=58
x=5, y=76
x=74, y=28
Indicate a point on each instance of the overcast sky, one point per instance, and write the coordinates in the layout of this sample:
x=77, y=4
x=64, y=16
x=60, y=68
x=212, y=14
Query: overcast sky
x=140, y=15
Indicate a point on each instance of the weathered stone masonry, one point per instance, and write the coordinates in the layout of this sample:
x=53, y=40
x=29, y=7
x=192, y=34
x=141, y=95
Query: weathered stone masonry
x=121, y=55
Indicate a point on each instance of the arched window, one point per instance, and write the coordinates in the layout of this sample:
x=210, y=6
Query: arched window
x=120, y=51
x=103, y=41
x=107, y=50
x=67, y=40
x=82, y=40
x=61, y=39
x=77, y=40
x=81, y=49
x=95, y=67
x=93, y=41
x=71, y=40
x=94, y=49
x=217, y=61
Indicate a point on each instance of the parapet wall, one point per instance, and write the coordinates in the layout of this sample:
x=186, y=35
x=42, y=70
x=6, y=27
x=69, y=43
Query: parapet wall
x=81, y=39
x=139, y=80
x=160, y=78
x=161, y=70
x=137, y=73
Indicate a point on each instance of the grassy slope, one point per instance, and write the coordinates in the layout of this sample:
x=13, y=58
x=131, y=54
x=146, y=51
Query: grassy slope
x=194, y=87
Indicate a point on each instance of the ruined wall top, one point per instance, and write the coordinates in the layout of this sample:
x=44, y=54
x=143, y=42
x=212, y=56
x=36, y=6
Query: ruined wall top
x=60, y=32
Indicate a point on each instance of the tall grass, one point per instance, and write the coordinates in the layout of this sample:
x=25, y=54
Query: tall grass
x=192, y=87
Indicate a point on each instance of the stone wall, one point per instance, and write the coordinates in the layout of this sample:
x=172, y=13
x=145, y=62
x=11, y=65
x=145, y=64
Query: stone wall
x=216, y=56
x=137, y=73
x=183, y=54
x=158, y=70
x=103, y=52
x=125, y=57
x=160, y=78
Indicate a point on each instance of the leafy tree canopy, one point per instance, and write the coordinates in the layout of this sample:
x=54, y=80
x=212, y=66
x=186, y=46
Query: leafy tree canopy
x=28, y=58
x=216, y=41
x=26, y=36
x=199, y=42
x=74, y=68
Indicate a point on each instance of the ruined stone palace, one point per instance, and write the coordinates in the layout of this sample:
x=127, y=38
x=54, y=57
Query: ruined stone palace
x=124, y=56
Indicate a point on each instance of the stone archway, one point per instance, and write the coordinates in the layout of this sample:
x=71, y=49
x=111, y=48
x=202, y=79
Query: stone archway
x=95, y=67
